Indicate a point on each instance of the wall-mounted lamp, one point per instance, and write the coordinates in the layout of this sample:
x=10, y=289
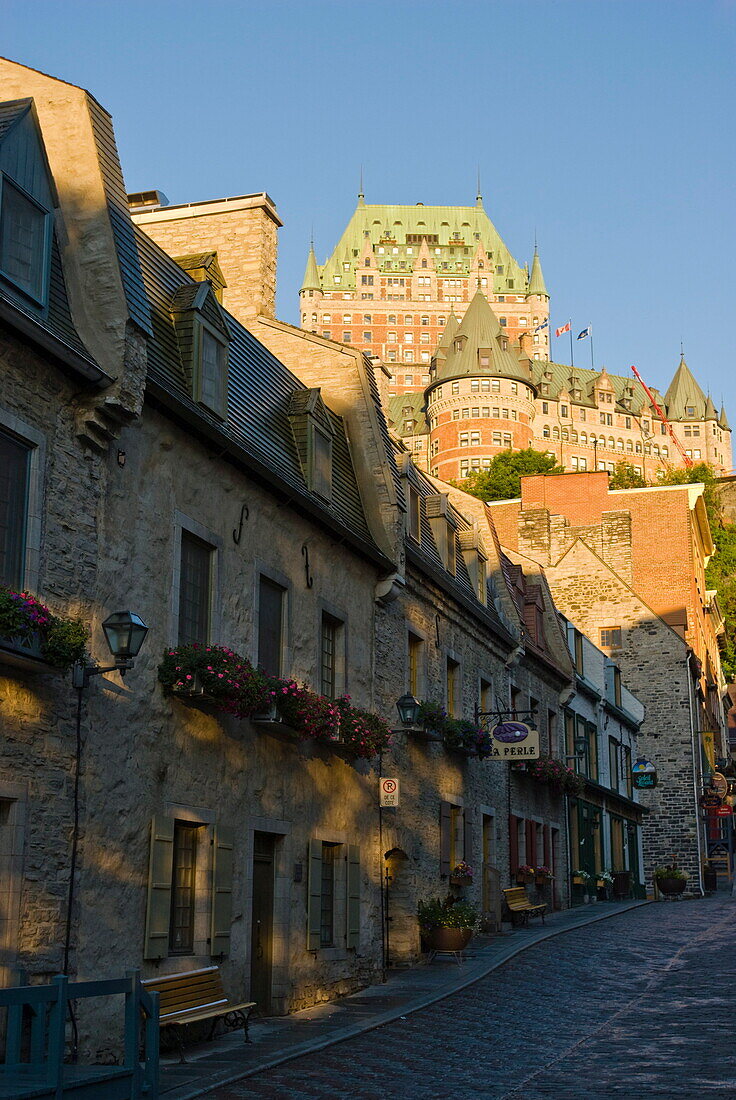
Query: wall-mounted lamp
x=408, y=709
x=125, y=633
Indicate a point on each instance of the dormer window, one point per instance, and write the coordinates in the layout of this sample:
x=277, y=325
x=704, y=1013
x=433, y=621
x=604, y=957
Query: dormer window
x=320, y=463
x=211, y=378
x=24, y=241
x=690, y=410
x=313, y=433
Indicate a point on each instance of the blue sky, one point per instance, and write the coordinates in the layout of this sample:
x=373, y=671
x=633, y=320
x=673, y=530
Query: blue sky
x=606, y=127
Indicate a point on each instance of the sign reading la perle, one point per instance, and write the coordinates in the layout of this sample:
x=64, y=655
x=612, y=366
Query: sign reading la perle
x=514, y=741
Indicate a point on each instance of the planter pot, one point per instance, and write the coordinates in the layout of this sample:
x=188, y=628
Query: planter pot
x=671, y=886
x=578, y=880
x=423, y=734
x=461, y=880
x=542, y=880
x=523, y=879
x=447, y=939
x=24, y=653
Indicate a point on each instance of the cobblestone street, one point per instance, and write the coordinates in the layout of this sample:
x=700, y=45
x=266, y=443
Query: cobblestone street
x=638, y=1005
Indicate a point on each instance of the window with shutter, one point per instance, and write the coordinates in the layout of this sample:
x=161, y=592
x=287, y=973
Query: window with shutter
x=158, y=904
x=353, y=896
x=222, y=890
x=14, y=480
x=184, y=865
x=314, y=895
x=445, y=837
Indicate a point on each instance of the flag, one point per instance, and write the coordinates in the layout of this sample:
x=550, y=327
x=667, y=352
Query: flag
x=565, y=328
x=544, y=324
x=586, y=332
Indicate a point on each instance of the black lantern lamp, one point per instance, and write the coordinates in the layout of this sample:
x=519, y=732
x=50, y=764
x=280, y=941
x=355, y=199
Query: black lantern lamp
x=125, y=633
x=408, y=709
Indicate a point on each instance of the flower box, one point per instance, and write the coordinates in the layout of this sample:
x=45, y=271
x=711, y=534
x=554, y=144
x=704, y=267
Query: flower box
x=578, y=880
x=23, y=652
x=461, y=880
x=522, y=878
x=191, y=689
x=422, y=733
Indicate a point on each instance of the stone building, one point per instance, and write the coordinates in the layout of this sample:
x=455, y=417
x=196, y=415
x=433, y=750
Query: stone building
x=237, y=487
x=602, y=722
x=642, y=599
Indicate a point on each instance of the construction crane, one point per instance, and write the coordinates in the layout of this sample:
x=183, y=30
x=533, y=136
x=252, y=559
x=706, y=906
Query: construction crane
x=685, y=457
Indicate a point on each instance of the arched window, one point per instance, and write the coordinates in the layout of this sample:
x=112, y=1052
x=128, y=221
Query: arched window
x=611, y=443
x=565, y=434
x=545, y=432
x=583, y=437
x=629, y=446
x=555, y=433
x=665, y=451
x=619, y=444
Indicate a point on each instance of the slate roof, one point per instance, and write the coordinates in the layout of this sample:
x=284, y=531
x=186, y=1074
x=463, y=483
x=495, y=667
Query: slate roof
x=537, y=284
x=684, y=392
x=478, y=329
x=396, y=413
x=260, y=398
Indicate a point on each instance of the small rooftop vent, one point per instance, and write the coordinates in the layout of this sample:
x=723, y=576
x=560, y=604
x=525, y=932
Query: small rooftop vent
x=147, y=200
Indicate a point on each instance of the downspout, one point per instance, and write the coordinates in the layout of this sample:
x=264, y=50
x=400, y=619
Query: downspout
x=695, y=777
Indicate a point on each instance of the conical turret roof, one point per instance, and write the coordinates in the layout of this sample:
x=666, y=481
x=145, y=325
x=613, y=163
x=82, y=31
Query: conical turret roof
x=710, y=409
x=311, y=274
x=448, y=333
x=536, y=279
x=479, y=331
x=723, y=420
x=683, y=393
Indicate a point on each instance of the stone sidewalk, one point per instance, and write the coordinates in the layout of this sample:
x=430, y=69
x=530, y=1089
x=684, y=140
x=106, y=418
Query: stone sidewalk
x=280, y=1038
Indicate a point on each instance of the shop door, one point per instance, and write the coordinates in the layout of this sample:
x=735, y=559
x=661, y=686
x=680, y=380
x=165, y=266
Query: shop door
x=262, y=921
x=633, y=846
x=589, y=839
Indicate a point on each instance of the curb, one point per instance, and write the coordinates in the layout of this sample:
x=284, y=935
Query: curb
x=390, y=1015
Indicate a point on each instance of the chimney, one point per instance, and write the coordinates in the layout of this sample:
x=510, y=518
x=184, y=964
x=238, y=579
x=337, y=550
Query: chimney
x=242, y=231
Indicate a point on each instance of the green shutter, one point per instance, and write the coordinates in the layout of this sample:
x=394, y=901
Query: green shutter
x=353, y=906
x=314, y=898
x=222, y=890
x=158, y=906
x=445, y=826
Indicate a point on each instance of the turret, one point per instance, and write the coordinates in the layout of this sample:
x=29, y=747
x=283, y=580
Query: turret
x=310, y=294
x=537, y=284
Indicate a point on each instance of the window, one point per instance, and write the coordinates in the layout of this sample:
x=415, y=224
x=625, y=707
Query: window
x=611, y=637
x=331, y=665
x=613, y=763
x=211, y=377
x=195, y=589
x=495, y=385
x=24, y=241
x=626, y=762
x=14, y=483
x=579, y=660
x=327, y=895
x=320, y=462
x=464, y=439
x=414, y=665
x=455, y=387
x=181, y=934
x=271, y=606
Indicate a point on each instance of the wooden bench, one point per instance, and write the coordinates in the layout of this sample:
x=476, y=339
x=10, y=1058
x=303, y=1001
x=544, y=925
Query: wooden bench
x=519, y=904
x=197, y=995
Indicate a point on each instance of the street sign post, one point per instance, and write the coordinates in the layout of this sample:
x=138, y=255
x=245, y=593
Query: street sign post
x=389, y=791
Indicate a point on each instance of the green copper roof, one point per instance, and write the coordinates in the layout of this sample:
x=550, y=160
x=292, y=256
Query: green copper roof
x=311, y=275
x=684, y=393
x=394, y=235
x=562, y=378
x=536, y=281
x=448, y=333
x=723, y=420
x=479, y=331
x=710, y=410
x=407, y=409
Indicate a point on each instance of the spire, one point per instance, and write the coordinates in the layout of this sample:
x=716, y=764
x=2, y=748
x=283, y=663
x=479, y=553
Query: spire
x=536, y=279
x=448, y=333
x=311, y=279
x=710, y=409
x=723, y=419
x=479, y=196
x=684, y=393
x=361, y=194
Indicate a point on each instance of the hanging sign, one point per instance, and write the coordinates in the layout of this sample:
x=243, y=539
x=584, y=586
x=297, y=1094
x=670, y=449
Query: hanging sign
x=389, y=789
x=710, y=800
x=724, y=811
x=719, y=784
x=644, y=775
x=514, y=741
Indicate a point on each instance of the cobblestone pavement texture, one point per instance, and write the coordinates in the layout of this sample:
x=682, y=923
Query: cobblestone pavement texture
x=636, y=1006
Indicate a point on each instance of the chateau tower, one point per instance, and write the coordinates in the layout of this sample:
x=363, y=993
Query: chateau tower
x=397, y=273
x=480, y=399
x=704, y=434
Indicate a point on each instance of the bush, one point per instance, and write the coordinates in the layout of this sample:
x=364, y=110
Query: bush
x=447, y=914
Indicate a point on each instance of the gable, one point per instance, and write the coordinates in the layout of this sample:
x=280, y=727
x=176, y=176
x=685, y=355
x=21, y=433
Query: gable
x=22, y=155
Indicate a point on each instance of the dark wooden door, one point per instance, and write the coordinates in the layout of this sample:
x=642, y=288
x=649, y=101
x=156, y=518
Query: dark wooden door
x=262, y=921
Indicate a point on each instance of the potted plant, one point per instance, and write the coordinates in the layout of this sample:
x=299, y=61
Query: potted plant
x=462, y=874
x=525, y=873
x=31, y=634
x=448, y=925
x=580, y=878
x=604, y=884
x=671, y=881
x=542, y=875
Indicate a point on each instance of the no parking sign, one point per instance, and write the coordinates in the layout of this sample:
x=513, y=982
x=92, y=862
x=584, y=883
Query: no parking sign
x=389, y=789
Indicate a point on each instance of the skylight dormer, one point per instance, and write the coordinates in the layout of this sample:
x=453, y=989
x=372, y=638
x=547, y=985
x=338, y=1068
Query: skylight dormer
x=313, y=435
x=203, y=336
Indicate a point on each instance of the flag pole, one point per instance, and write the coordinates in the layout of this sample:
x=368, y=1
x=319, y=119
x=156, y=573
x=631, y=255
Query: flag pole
x=572, y=357
x=592, y=364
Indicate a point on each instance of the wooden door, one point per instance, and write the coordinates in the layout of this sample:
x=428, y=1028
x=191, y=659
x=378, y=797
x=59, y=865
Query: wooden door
x=262, y=921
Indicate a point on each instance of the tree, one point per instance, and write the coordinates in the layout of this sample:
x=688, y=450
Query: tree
x=624, y=476
x=502, y=480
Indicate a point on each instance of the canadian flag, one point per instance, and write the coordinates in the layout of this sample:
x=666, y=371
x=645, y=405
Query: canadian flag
x=565, y=328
